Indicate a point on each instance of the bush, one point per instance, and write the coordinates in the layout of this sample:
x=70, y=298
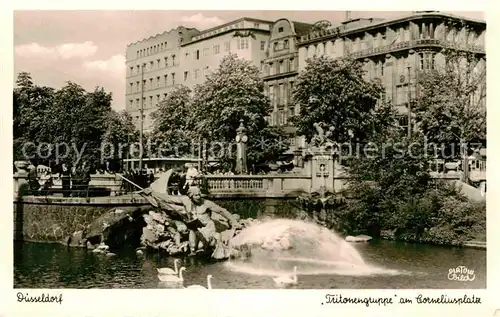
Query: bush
x=439, y=215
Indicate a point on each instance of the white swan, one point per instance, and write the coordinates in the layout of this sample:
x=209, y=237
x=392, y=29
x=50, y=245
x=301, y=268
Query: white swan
x=286, y=280
x=169, y=271
x=172, y=278
x=209, y=284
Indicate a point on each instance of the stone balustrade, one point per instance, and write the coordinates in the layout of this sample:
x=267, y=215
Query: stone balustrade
x=271, y=185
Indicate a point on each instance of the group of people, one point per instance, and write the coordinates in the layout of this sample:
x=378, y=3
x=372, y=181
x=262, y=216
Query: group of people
x=75, y=181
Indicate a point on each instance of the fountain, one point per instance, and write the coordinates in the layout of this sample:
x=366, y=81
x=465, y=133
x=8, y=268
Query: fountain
x=274, y=246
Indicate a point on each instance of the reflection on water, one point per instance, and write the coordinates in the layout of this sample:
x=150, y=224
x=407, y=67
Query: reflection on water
x=389, y=265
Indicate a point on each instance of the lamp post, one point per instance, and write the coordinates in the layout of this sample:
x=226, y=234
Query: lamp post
x=241, y=149
x=142, y=116
x=409, y=100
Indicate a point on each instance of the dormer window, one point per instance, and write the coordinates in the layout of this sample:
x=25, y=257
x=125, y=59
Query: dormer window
x=280, y=30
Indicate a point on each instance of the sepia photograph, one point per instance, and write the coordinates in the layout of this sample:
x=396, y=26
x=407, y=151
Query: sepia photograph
x=249, y=150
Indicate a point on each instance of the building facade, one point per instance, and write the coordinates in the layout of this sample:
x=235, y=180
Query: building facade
x=394, y=51
x=280, y=69
x=153, y=69
x=186, y=56
x=391, y=50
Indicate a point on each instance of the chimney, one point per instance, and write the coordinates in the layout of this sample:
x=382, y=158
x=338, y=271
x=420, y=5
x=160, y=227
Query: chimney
x=347, y=15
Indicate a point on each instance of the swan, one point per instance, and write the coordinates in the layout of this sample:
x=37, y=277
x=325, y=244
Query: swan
x=209, y=284
x=169, y=271
x=172, y=278
x=286, y=280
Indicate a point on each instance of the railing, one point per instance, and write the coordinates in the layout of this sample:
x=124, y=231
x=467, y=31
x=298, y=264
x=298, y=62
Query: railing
x=413, y=44
x=231, y=184
x=269, y=185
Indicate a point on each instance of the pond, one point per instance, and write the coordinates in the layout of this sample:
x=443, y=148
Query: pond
x=400, y=266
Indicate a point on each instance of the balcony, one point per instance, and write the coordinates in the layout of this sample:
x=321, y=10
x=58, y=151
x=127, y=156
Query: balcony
x=280, y=75
x=414, y=44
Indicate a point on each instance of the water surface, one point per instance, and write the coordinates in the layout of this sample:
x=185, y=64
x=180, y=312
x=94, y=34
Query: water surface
x=395, y=265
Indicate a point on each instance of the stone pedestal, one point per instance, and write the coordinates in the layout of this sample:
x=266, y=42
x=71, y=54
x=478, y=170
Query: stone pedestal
x=322, y=170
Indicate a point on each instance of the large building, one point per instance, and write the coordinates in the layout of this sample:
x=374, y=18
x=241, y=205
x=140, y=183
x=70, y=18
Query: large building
x=186, y=56
x=394, y=51
x=280, y=69
x=391, y=50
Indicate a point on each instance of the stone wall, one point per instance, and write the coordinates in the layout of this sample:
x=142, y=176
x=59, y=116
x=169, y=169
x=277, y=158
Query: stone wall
x=40, y=219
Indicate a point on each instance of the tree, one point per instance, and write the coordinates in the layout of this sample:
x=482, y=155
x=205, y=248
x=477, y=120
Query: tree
x=69, y=119
x=334, y=96
x=30, y=106
x=451, y=104
x=172, y=133
x=119, y=129
x=232, y=93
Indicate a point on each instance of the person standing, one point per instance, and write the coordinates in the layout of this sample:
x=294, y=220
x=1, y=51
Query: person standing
x=65, y=176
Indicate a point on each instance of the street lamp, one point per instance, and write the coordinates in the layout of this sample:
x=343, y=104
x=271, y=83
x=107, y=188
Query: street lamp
x=142, y=116
x=409, y=100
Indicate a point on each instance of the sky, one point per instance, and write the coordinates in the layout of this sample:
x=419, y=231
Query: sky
x=88, y=47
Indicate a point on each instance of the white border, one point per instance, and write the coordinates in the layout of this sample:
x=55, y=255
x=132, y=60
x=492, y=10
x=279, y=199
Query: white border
x=226, y=303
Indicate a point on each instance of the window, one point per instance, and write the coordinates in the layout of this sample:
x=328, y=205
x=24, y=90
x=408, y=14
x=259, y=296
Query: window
x=187, y=56
x=426, y=61
x=186, y=75
x=158, y=63
x=150, y=83
x=271, y=94
x=290, y=92
x=256, y=25
x=150, y=101
x=242, y=43
x=291, y=65
x=138, y=68
x=282, y=67
x=291, y=112
x=165, y=45
x=401, y=94
x=158, y=81
x=197, y=55
x=130, y=103
x=277, y=66
x=275, y=46
x=196, y=73
x=403, y=121
x=206, y=51
x=144, y=84
x=280, y=30
x=157, y=99
x=173, y=78
x=131, y=87
x=216, y=49
x=165, y=80
x=138, y=54
x=280, y=94
x=286, y=44
x=164, y=96
x=173, y=60
x=262, y=45
x=151, y=64
x=137, y=87
x=131, y=70
x=227, y=46
x=137, y=103
x=162, y=46
x=166, y=61
x=205, y=71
